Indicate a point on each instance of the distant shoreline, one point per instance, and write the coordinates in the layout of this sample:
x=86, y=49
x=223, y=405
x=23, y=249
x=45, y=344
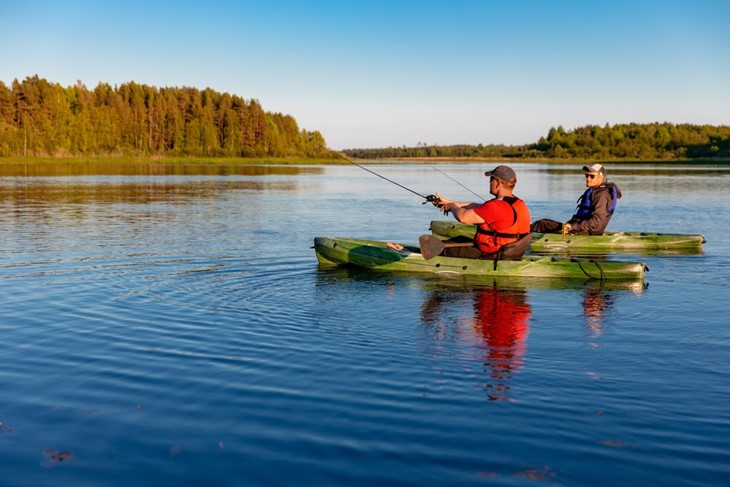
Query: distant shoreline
x=550, y=160
x=248, y=161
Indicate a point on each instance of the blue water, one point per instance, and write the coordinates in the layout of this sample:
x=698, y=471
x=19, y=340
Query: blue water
x=176, y=330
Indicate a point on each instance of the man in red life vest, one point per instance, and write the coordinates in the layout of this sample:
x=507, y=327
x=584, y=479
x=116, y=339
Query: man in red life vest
x=595, y=207
x=503, y=220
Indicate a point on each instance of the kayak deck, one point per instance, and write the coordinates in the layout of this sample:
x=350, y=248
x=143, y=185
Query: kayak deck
x=608, y=242
x=375, y=255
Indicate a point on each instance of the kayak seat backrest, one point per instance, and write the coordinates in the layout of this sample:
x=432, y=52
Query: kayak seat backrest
x=514, y=250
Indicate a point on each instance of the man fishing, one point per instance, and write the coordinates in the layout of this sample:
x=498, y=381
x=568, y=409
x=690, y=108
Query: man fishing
x=595, y=207
x=501, y=221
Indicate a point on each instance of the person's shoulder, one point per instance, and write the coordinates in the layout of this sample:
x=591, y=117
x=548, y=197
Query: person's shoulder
x=515, y=200
x=494, y=203
x=610, y=186
x=501, y=201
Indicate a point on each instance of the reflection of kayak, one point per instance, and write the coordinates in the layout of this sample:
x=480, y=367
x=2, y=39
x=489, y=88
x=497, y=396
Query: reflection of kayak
x=470, y=283
x=635, y=242
x=375, y=255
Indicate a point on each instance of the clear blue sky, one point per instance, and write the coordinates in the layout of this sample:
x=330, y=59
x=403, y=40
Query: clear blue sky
x=372, y=73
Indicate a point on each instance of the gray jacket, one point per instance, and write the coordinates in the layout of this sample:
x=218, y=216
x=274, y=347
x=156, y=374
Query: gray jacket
x=595, y=208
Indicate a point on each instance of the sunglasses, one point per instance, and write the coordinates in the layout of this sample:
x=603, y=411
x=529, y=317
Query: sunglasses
x=591, y=176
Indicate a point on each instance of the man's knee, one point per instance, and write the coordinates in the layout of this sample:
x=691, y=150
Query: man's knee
x=546, y=226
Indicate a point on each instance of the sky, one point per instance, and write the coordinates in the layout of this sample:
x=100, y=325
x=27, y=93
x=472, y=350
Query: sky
x=393, y=73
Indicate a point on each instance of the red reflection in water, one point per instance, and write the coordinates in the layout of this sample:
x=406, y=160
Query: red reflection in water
x=596, y=305
x=498, y=325
x=501, y=320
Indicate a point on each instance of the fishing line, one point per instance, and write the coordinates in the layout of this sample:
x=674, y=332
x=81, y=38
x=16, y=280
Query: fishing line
x=430, y=198
x=454, y=180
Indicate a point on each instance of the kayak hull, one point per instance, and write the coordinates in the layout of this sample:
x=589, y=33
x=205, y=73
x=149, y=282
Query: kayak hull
x=609, y=242
x=375, y=255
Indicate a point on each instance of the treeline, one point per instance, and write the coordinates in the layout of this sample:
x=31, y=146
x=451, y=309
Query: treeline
x=43, y=119
x=422, y=151
x=653, y=141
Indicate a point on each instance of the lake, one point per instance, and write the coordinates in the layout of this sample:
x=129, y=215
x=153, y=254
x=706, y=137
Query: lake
x=171, y=326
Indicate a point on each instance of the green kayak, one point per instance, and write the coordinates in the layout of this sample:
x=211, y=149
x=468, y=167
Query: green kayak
x=609, y=242
x=376, y=255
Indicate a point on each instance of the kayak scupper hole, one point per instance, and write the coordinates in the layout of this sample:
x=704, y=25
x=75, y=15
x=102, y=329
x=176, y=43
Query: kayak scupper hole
x=438, y=265
x=463, y=268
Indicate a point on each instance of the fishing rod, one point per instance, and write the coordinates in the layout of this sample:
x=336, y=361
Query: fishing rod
x=432, y=198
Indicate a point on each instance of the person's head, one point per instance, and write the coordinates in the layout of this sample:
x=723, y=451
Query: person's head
x=595, y=175
x=502, y=180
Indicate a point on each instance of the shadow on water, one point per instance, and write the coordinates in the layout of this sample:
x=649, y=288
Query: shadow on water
x=490, y=315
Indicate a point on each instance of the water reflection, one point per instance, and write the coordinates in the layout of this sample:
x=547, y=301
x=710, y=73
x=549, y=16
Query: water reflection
x=497, y=324
x=496, y=321
x=116, y=168
x=596, y=306
x=51, y=184
x=51, y=193
x=489, y=323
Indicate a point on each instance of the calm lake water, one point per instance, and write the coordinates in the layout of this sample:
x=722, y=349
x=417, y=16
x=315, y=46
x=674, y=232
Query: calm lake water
x=167, y=326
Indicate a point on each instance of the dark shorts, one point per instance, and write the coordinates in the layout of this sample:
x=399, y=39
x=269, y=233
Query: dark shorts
x=546, y=225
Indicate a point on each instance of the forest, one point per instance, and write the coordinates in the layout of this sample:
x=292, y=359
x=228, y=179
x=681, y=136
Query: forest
x=43, y=119
x=637, y=142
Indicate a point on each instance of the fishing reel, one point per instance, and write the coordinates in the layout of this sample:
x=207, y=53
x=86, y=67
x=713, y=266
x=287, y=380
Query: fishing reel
x=434, y=200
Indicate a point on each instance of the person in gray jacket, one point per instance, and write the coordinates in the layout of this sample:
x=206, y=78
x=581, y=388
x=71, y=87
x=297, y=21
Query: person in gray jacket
x=595, y=207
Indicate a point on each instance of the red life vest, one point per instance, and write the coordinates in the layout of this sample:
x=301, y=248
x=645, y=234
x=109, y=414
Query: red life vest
x=490, y=239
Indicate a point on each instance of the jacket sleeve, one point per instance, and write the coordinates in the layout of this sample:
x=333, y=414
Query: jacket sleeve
x=601, y=200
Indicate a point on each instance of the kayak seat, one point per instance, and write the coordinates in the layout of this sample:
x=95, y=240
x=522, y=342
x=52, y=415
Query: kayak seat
x=514, y=250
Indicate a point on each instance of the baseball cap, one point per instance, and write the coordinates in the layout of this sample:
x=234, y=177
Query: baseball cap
x=505, y=173
x=595, y=168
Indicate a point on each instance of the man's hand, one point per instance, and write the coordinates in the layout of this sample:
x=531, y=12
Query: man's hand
x=442, y=203
x=566, y=228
